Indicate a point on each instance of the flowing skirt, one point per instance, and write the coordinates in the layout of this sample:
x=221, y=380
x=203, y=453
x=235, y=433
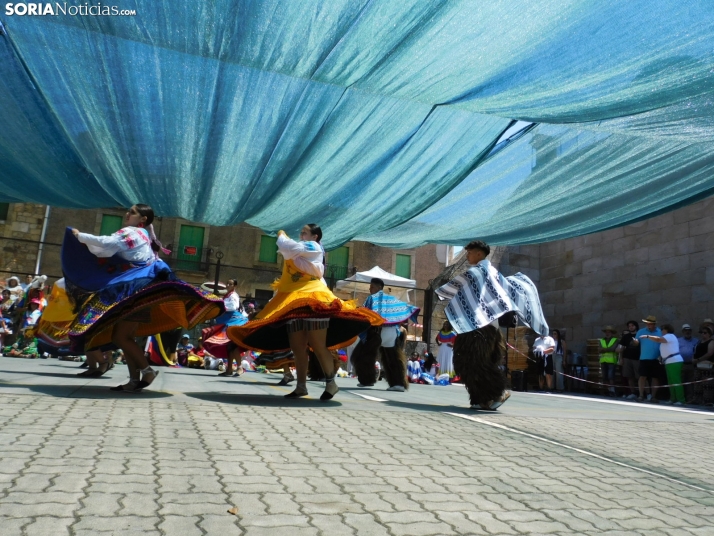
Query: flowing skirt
x=268, y=333
x=215, y=338
x=106, y=291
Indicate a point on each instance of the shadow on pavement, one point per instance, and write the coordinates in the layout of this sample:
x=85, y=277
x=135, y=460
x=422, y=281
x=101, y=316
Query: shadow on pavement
x=236, y=381
x=439, y=409
x=48, y=374
x=268, y=401
x=82, y=391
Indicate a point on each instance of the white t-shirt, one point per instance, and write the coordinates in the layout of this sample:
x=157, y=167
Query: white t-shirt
x=543, y=343
x=670, y=347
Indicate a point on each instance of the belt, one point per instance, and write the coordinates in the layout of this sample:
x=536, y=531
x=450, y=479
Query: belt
x=669, y=356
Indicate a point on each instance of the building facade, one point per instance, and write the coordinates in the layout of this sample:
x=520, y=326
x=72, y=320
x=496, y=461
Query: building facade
x=246, y=253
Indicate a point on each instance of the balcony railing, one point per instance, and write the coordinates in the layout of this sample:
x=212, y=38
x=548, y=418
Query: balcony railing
x=180, y=260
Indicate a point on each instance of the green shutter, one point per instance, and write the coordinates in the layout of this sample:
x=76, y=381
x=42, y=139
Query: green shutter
x=190, y=248
x=338, y=261
x=268, y=249
x=404, y=266
x=110, y=224
x=4, y=209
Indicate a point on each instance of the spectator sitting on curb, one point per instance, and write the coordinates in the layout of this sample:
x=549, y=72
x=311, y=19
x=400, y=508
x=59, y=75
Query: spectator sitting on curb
x=630, y=353
x=687, y=346
x=27, y=283
x=649, y=357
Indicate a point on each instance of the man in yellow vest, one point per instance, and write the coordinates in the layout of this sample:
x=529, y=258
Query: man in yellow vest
x=608, y=358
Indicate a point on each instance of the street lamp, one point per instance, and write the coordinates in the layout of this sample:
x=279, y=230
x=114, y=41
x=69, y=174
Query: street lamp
x=219, y=256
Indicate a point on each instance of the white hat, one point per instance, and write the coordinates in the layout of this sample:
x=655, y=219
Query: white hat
x=686, y=326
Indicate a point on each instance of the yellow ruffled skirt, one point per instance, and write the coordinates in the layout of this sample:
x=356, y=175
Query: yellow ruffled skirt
x=268, y=332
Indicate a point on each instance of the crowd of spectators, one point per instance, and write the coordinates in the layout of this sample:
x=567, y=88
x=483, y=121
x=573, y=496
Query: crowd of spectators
x=644, y=359
x=21, y=306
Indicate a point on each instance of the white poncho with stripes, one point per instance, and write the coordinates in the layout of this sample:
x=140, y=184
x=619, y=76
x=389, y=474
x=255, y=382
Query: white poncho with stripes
x=482, y=295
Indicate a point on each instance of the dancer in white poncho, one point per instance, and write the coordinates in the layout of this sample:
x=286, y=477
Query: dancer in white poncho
x=477, y=299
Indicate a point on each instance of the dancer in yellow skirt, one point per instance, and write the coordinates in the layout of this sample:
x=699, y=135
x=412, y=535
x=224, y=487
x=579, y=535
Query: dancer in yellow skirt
x=305, y=313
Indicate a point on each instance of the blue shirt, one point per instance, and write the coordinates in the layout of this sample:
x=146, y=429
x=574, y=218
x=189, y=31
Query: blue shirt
x=649, y=349
x=686, y=348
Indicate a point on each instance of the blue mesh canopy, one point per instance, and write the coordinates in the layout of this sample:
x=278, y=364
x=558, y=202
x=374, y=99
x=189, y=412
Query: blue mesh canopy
x=382, y=120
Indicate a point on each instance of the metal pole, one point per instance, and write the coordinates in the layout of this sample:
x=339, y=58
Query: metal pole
x=42, y=239
x=219, y=256
x=428, y=310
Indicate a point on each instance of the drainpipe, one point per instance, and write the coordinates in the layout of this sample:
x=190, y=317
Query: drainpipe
x=42, y=239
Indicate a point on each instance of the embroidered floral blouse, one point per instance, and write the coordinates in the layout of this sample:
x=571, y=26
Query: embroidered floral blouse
x=307, y=256
x=131, y=243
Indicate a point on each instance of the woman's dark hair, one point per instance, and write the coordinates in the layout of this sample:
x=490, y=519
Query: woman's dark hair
x=148, y=212
x=316, y=230
x=668, y=327
x=145, y=211
x=559, y=344
x=637, y=326
x=479, y=244
x=234, y=281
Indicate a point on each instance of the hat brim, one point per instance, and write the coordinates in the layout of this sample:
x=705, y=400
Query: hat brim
x=649, y=321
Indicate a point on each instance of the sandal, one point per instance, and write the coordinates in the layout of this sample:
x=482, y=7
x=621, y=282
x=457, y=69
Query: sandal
x=299, y=391
x=132, y=387
x=148, y=371
x=99, y=371
x=331, y=390
x=287, y=378
x=498, y=403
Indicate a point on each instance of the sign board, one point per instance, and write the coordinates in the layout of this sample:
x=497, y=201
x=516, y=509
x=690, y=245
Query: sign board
x=190, y=250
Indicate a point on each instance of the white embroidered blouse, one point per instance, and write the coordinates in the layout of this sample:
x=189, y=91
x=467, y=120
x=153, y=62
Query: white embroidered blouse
x=307, y=256
x=131, y=243
x=232, y=301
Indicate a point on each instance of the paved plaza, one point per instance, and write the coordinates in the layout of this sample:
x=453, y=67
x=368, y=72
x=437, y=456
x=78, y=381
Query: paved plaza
x=78, y=459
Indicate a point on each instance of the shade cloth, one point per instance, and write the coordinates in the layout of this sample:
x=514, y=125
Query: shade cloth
x=360, y=114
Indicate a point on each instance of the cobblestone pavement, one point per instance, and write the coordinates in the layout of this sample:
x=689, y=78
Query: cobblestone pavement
x=77, y=459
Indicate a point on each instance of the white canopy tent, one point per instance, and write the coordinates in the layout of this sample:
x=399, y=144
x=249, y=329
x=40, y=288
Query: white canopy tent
x=395, y=285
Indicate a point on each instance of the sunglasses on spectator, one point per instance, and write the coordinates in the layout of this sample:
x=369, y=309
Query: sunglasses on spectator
x=706, y=331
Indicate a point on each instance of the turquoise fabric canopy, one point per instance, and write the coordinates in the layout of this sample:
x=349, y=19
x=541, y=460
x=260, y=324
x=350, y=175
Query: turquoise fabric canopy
x=381, y=120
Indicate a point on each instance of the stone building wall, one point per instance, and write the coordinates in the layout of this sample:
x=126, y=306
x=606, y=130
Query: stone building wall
x=663, y=266
x=24, y=222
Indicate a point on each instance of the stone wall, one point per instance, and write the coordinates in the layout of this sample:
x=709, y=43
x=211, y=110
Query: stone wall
x=663, y=266
x=24, y=222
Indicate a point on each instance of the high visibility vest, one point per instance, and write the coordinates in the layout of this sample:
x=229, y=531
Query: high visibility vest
x=608, y=357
